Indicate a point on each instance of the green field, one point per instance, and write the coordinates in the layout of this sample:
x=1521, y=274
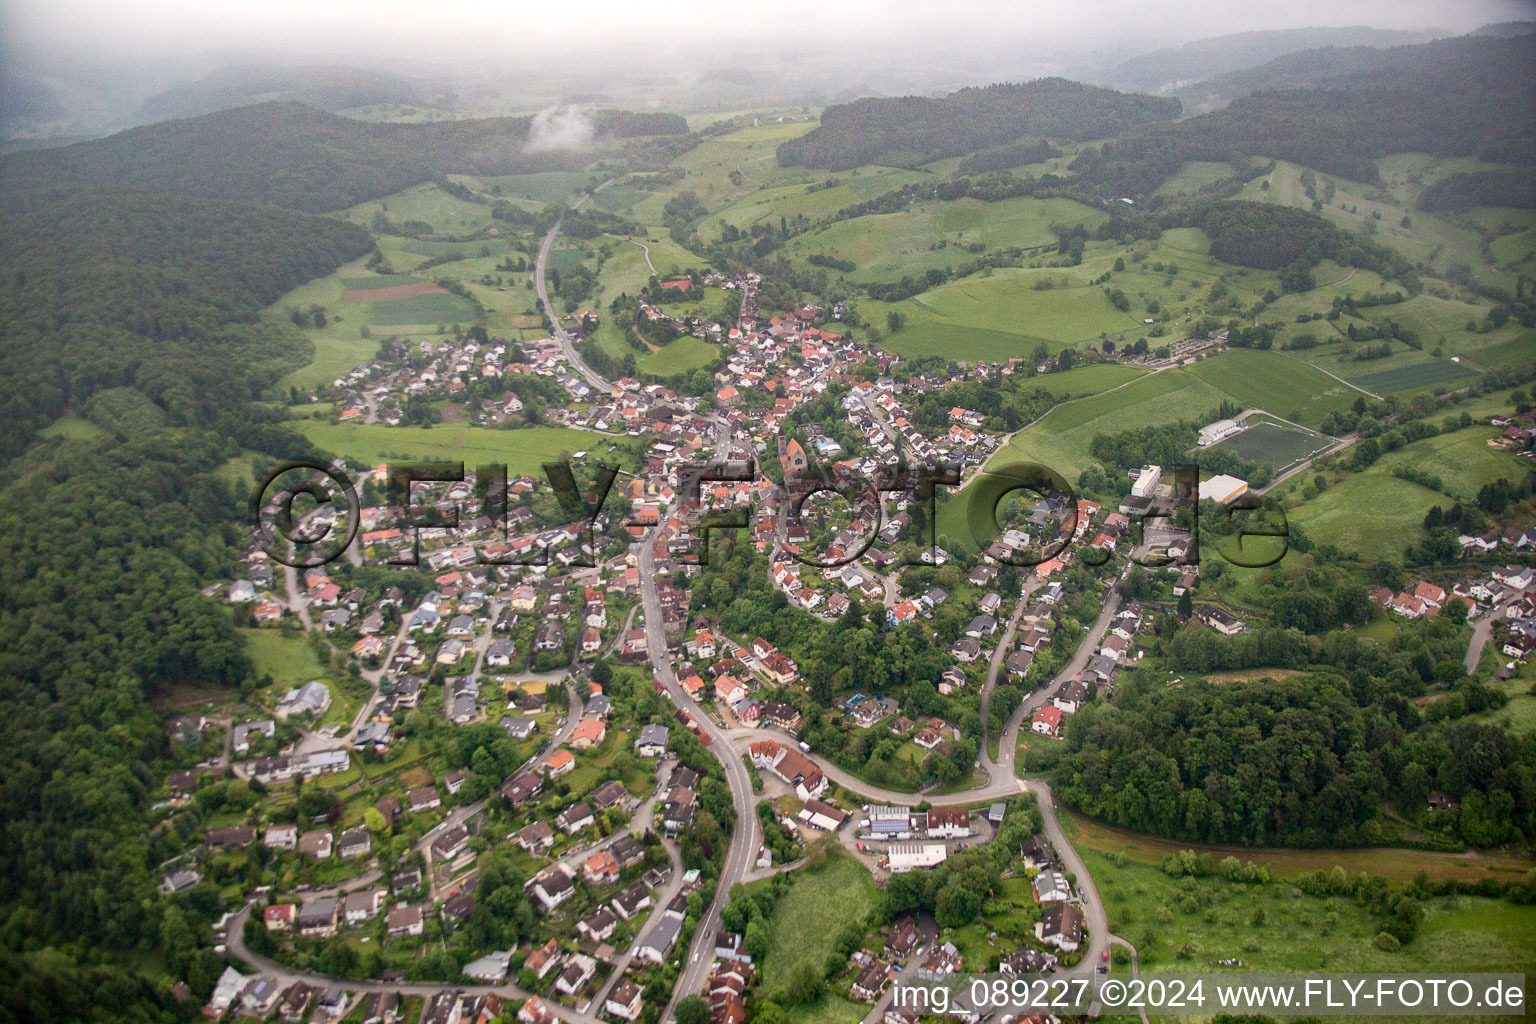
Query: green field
x=521, y=450
x=1275, y=383
x=886, y=246
x=1277, y=927
x=428, y=204
x=414, y=310
x=286, y=657
x=681, y=354
x=339, y=345
x=806, y=919
x=377, y=281
x=1195, y=173
x=1275, y=445
x=815, y=202
x=1414, y=375
x=1000, y=316
x=1374, y=514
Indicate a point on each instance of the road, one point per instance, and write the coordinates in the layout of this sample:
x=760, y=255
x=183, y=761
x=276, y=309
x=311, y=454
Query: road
x=1482, y=632
x=286, y=975
x=560, y=335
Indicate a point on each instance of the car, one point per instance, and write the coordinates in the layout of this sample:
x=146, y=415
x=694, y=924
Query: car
x=1103, y=969
x=1104, y=955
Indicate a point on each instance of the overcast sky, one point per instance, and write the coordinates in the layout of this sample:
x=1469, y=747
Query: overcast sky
x=483, y=28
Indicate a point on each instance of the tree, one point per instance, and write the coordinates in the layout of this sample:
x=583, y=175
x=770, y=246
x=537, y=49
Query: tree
x=895, y=321
x=692, y=1010
x=375, y=821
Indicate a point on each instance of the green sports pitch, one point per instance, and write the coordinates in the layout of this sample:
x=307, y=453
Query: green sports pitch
x=1278, y=446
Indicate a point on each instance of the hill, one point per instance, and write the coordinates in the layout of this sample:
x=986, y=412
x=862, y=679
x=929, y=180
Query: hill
x=914, y=130
x=323, y=87
x=297, y=157
x=1167, y=71
x=1469, y=96
x=106, y=288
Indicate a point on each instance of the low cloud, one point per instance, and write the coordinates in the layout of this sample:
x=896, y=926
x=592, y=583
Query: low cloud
x=559, y=128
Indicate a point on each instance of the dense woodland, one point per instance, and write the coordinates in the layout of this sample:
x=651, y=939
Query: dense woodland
x=1302, y=761
x=111, y=289
x=300, y=158
x=137, y=310
x=915, y=129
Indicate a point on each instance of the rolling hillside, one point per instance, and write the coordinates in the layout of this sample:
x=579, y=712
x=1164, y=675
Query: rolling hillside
x=294, y=156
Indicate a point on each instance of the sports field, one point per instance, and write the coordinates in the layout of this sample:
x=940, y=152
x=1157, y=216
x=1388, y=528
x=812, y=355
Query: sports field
x=1275, y=445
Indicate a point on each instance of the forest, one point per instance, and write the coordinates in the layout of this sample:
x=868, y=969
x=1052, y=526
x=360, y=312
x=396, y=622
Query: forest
x=1308, y=760
x=1447, y=98
x=914, y=129
x=296, y=157
x=137, y=309
x=168, y=309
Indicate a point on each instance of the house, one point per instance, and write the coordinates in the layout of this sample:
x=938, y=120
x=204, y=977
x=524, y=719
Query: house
x=1071, y=696
x=578, y=971
x=360, y=907
x=230, y=837
x=545, y=959
x=1027, y=961
x=575, y=818
x=589, y=733
x=553, y=887
x=526, y=786
x=1051, y=887
x=627, y=850
x=601, y=868
x=279, y=917
x=610, y=794
x=943, y=961
x=535, y=1012
x=296, y=1001
x=949, y=823
x=313, y=699
x=652, y=741
x=260, y=997
x=225, y=992
x=731, y=946
x=1061, y=925
x=381, y=1008
x=316, y=844
x=598, y=925
x=624, y=1001
x=451, y=843
x=655, y=946
x=457, y=908
x=870, y=982
x=354, y=843
x=519, y=728
x=535, y=837
x=1046, y=721
x=403, y=920
x=317, y=917
x=632, y=901
x=904, y=940
x=560, y=762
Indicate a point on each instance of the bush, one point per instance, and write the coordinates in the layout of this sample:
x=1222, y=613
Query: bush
x=1387, y=942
